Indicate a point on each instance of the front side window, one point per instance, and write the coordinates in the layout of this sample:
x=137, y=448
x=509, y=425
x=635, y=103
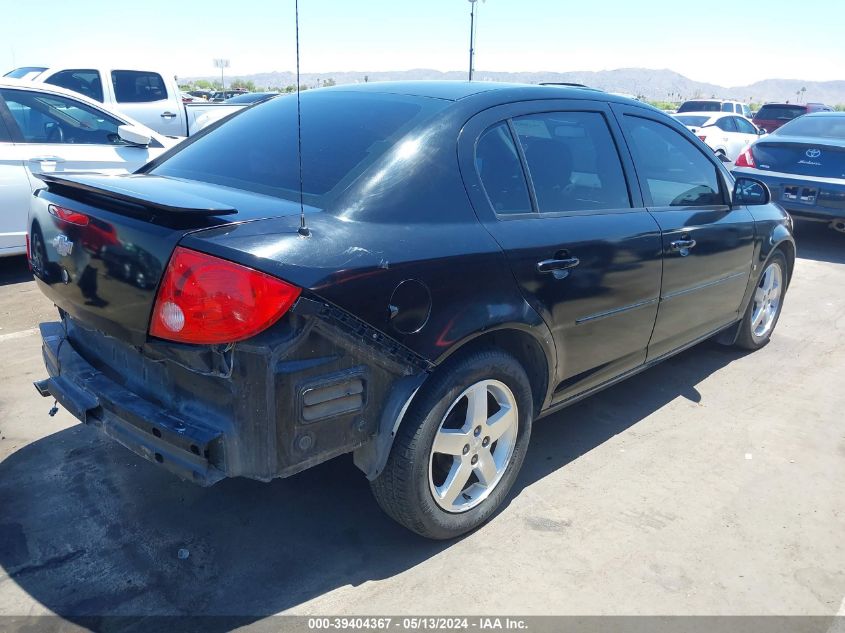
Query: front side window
x=134, y=86
x=573, y=161
x=745, y=127
x=726, y=124
x=672, y=170
x=47, y=118
x=85, y=82
x=498, y=165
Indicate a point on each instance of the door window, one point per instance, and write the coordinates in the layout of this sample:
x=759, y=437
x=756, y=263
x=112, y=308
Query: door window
x=745, y=127
x=673, y=172
x=47, y=118
x=727, y=107
x=134, y=86
x=573, y=161
x=498, y=165
x=85, y=82
x=727, y=124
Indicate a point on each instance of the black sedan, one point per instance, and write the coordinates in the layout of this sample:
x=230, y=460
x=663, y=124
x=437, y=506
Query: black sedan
x=803, y=163
x=452, y=262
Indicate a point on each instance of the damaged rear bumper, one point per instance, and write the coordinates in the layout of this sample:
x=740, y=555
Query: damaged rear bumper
x=181, y=446
x=316, y=385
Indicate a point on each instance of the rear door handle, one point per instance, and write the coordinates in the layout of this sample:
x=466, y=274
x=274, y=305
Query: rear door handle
x=46, y=159
x=551, y=265
x=682, y=245
x=168, y=115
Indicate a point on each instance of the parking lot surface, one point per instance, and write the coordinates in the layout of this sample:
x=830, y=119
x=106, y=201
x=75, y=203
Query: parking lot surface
x=712, y=484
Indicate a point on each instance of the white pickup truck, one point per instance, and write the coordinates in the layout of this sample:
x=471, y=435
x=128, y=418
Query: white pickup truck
x=148, y=96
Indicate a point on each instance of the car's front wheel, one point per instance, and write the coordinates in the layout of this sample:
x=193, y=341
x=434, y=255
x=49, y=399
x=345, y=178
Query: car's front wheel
x=460, y=447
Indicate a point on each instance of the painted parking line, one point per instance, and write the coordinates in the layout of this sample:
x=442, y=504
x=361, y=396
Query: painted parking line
x=20, y=334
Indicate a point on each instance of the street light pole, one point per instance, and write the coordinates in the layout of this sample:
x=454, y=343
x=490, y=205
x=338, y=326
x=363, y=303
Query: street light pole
x=221, y=64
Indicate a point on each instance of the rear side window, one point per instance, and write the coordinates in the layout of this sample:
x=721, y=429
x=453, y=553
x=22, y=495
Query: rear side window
x=85, y=82
x=727, y=107
x=342, y=135
x=498, y=165
x=737, y=108
x=573, y=161
x=673, y=172
x=134, y=86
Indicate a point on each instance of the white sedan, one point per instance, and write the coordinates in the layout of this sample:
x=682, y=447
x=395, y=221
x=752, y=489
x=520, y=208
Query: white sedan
x=726, y=133
x=46, y=129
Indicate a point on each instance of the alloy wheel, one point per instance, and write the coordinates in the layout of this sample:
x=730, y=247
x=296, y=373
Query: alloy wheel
x=767, y=298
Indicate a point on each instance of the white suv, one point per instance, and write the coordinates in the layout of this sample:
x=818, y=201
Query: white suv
x=715, y=105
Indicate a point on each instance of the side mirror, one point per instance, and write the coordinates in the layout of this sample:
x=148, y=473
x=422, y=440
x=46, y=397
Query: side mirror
x=723, y=158
x=761, y=131
x=134, y=135
x=748, y=191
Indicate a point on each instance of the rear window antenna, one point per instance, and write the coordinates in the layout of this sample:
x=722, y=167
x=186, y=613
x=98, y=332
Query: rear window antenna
x=303, y=230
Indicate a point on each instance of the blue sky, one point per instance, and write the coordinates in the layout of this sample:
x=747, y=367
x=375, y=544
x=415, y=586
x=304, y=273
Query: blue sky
x=732, y=43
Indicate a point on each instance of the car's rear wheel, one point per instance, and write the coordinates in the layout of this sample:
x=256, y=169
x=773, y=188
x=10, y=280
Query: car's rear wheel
x=764, y=309
x=460, y=447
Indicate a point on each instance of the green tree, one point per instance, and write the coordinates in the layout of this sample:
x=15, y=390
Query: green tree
x=329, y=82
x=241, y=84
x=202, y=84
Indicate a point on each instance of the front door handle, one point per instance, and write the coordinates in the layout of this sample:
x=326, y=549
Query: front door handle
x=682, y=246
x=168, y=115
x=551, y=265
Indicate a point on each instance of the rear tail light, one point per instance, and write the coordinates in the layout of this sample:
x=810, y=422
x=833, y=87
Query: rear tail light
x=68, y=215
x=206, y=300
x=703, y=137
x=746, y=159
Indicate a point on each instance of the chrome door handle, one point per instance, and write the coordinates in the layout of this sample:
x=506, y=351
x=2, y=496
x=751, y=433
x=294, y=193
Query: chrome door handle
x=168, y=115
x=682, y=246
x=551, y=265
x=46, y=159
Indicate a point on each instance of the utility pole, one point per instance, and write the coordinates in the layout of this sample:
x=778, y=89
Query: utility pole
x=471, y=34
x=221, y=64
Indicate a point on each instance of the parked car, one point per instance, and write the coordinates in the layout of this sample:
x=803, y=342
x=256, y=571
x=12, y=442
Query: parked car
x=149, y=96
x=241, y=101
x=803, y=163
x=220, y=95
x=727, y=134
x=773, y=115
x=457, y=260
x=715, y=105
x=49, y=129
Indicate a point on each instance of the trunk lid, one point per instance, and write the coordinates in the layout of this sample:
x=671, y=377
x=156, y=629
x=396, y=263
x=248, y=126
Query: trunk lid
x=106, y=272
x=802, y=156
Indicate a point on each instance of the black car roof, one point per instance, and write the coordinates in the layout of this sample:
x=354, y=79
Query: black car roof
x=457, y=90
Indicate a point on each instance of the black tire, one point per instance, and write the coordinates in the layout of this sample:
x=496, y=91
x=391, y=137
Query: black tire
x=403, y=489
x=746, y=338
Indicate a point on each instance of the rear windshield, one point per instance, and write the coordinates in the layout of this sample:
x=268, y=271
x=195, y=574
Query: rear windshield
x=780, y=112
x=700, y=106
x=342, y=134
x=696, y=121
x=25, y=72
x=814, y=126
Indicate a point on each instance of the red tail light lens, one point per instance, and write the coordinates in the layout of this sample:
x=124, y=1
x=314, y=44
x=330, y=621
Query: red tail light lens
x=68, y=215
x=746, y=159
x=702, y=137
x=206, y=300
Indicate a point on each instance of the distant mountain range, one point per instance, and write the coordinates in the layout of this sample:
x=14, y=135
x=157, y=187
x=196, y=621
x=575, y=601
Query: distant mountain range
x=658, y=85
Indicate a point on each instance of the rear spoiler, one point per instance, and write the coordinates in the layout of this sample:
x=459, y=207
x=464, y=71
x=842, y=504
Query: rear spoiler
x=152, y=193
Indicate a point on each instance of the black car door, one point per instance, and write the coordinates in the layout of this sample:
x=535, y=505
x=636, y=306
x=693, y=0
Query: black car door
x=549, y=183
x=707, y=245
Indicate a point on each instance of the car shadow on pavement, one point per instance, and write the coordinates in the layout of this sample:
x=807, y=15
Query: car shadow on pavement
x=14, y=270
x=816, y=241
x=88, y=529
